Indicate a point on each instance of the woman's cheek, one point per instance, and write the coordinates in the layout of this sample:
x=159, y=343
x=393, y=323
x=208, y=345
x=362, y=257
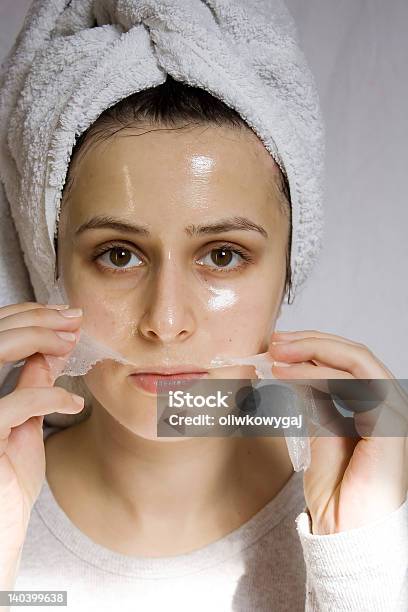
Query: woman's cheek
x=106, y=314
x=109, y=387
x=241, y=323
x=237, y=316
x=100, y=380
x=108, y=323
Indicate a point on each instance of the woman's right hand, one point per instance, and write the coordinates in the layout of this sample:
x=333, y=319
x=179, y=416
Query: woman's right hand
x=28, y=331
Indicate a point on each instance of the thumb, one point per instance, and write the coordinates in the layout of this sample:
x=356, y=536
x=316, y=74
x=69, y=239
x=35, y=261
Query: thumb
x=36, y=372
x=333, y=438
x=42, y=370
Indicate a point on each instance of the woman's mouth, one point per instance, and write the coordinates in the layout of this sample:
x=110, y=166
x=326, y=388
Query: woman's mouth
x=159, y=382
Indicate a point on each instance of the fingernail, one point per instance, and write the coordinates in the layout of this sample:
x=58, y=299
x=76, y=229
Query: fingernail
x=281, y=364
x=72, y=312
x=57, y=306
x=66, y=335
x=78, y=399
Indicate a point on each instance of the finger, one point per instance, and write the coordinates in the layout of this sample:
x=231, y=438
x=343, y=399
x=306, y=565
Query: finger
x=16, y=344
x=22, y=404
x=282, y=336
x=357, y=394
x=42, y=317
x=308, y=370
x=11, y=309
x=288, y=336
x=381, y=419
x=309, y=333
x=373, y=398
x=329, y=418
x=36, y=372
x=355, y=359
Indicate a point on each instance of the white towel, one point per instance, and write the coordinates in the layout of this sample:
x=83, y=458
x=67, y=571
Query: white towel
x=73, y=59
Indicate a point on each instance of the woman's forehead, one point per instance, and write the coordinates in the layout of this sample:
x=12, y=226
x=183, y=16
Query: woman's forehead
x=198, y=150
x=174, y=174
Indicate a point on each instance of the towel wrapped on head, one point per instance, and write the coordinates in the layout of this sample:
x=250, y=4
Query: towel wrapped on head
x=73, y=60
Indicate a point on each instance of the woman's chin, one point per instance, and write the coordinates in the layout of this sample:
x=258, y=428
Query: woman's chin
x=147, y=431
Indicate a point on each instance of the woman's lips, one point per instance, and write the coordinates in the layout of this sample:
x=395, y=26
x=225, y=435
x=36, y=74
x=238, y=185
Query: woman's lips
x=149, y=382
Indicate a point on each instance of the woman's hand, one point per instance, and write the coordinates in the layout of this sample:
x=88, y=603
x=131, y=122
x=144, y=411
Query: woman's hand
x=28, y=331
x=351, y=481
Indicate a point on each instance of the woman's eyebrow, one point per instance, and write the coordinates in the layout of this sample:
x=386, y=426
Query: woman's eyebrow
x=226, y=225
x=223, y=225
x=115, y=223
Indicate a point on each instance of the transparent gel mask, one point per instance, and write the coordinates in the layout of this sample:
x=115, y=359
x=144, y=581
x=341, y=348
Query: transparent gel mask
x=89, y=351
x=302, y=403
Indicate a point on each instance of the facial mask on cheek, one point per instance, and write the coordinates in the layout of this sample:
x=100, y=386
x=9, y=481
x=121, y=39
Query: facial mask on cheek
x=87, y=352
x=298, y=446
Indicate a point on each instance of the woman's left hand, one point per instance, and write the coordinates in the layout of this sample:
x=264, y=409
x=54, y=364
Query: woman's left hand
x=351, y=481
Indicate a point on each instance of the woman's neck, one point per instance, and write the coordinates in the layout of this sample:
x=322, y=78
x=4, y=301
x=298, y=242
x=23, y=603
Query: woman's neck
x=160, y=498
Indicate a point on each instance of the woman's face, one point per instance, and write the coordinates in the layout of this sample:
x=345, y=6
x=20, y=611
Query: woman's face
x=174, y=244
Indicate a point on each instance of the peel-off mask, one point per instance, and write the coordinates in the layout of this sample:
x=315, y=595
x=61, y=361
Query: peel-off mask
x=303, y=403
x=89, y=351
x=298, y=446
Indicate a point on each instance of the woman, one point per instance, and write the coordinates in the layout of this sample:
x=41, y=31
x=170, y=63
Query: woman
x=203, y=521
x=175, y=239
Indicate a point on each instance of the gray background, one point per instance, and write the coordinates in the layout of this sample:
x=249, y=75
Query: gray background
x=358, y=51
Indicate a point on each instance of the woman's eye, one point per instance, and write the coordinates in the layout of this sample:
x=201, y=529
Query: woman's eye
x=118, y=257
x=222, y=258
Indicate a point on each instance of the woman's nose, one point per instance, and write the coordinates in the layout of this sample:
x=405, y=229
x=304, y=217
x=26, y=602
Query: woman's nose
x=168, y=315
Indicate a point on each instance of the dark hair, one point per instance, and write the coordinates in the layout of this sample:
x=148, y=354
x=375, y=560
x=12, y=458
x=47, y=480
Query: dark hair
x=169, y=105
